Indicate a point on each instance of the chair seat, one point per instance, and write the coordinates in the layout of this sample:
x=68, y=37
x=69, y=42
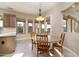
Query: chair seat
x=57, y=45
x=43, y=47
x=34, y=42
x=51, y=50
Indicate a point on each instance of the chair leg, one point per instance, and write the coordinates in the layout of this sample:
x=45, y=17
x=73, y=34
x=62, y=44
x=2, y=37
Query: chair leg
x=62, y=50
x=32, y=46
x=53, y=49
x=37, y=49
x=48, y=53
x=37, y=53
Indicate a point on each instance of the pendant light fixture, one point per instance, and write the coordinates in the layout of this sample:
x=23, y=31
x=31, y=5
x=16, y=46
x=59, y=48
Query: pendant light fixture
x=40, y=17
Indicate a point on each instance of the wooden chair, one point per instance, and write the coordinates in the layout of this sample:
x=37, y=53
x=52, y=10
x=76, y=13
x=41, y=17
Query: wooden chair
x=42, y=44
x=33, y=39
x=59, y=44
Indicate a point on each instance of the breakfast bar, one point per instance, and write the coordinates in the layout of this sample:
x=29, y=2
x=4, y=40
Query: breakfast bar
x=7, y=42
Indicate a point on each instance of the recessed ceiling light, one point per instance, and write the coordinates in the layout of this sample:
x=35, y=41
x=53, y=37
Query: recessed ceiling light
x=73, y=6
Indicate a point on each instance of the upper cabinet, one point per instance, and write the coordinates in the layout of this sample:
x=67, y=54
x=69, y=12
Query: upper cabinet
x=9, y=20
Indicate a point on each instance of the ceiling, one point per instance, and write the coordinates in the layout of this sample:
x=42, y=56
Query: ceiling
x=27, y=7
x=73, y=10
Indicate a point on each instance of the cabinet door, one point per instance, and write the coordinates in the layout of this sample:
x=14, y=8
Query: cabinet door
x=9, y=20
x=6, y=21
x=12, y=21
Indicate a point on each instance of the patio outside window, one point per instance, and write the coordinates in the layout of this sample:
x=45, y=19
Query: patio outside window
x=30, y=27
x=20, y=27
x=1, y=25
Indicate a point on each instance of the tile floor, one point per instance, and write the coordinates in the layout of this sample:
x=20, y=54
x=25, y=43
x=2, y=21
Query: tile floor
x=24, y=49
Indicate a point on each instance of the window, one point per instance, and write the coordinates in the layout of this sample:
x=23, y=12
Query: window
x=30, y=24
x=43, y=26
x=48, y=27
x=20, y=27
x=36, y=26
x=30, y=27
x=65, y=26
x=1, y=25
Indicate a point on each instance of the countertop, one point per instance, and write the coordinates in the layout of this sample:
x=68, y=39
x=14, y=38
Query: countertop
x=8, y=34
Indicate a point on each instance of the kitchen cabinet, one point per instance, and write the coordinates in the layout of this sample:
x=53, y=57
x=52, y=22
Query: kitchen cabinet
x=9, y=20
x=7, y=44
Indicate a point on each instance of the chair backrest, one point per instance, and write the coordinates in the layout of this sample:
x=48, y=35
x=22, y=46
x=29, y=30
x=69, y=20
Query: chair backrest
x=41, y=39
x=62, y=38
x=32, y=34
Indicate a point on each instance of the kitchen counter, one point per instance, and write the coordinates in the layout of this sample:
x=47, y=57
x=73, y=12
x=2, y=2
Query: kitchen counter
x=7, y=42
x=7, y=34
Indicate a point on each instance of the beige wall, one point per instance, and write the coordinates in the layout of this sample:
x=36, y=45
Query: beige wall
x=56, y=20
x=56, y=17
